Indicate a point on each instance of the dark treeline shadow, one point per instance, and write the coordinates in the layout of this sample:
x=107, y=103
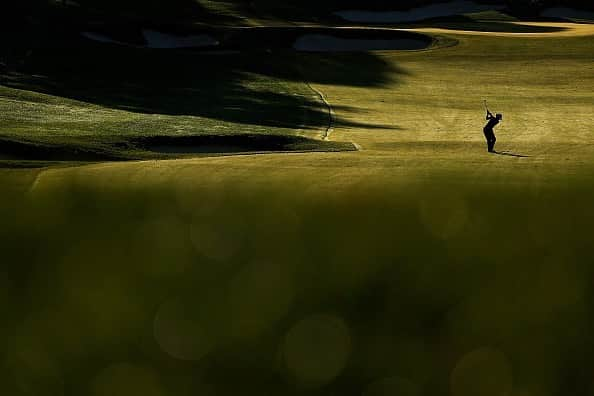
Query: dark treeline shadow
x=306, y=9
x=323, y=9
x=176, y=82
x=350, y=69
x=60, y=11
x=143, y=7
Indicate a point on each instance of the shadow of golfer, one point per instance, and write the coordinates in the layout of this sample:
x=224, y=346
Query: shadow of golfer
x=510, y=154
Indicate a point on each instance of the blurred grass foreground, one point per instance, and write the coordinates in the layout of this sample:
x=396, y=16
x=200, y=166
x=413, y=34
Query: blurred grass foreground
x=419, y=291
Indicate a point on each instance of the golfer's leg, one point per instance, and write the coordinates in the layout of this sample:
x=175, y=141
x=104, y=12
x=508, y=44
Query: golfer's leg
x=486, y=133
x=493, y=140
x=489, y=136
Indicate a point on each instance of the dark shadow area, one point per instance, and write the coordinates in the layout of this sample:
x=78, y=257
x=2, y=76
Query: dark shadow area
x=23, y=153
x=510, y=154
x=173, y=85
x=285, y=37
x=236, y=144
x=62, y=13
x=18, y=164
x=235, y=88
x=349, y=69
x=13, y=150
x=36, y=164
x=562, y=19
x=137, y=8
x=314, y=9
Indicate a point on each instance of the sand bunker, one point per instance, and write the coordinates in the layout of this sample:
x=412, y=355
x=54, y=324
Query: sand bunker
x=327, y=43
x=417, y=14
x=564, y=12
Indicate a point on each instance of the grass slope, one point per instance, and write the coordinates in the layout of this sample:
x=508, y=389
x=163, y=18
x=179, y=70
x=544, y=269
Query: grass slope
x=431, y=102
x=422, y=111
x=79, y=99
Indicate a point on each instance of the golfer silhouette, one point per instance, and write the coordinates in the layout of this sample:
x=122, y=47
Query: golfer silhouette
x=488, y=130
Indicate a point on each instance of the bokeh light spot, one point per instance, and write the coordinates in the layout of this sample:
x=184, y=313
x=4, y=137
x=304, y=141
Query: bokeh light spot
x=316, y=349
x=443, y=216
x=213, y=241
x=179, y=334
x=392, y=386
x=484, y=371
x=124, y=379
x=259, y=296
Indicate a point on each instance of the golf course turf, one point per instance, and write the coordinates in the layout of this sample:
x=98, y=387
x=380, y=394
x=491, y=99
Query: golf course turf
x=417, y=264
x=177, y=94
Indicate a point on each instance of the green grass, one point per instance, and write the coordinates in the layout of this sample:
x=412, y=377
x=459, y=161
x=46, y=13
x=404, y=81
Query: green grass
x=413, y=113
x=418, y=265
x=75, y=103
x=542, y=86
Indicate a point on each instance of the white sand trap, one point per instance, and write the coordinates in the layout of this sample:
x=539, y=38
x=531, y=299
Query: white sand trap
x=417, y=14
x=156, y=39
x=564, y=12
x=326, y=43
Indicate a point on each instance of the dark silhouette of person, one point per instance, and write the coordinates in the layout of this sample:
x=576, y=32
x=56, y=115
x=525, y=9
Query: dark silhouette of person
x=488, y=130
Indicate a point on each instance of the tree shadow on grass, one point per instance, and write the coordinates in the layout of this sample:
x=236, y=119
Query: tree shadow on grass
x=251, y=88
x=350, y=69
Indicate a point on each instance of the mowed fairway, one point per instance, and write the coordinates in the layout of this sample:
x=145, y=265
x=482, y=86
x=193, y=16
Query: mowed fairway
x=424, y=118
